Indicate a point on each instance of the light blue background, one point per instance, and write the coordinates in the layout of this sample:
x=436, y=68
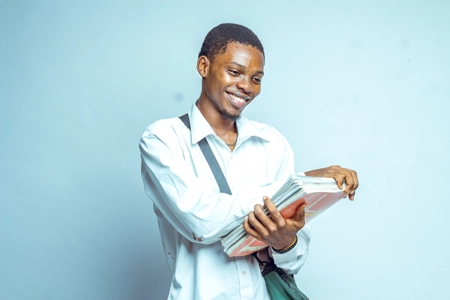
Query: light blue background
x=363, y=84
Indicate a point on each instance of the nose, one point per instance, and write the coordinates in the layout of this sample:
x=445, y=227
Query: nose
x=245, y=84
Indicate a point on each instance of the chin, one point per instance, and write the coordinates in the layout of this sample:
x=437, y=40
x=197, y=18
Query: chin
x=229, y=116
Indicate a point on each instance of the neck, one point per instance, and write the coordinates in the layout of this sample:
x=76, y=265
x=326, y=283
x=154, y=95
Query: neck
x=216, y=120
x=224, y=128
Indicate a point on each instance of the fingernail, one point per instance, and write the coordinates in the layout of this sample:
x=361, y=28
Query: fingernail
x=265, y=198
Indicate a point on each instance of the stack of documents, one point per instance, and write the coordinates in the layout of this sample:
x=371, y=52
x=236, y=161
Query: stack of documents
x=319, y=193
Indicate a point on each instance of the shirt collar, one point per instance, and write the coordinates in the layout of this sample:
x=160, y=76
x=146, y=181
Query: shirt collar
x=200, y=128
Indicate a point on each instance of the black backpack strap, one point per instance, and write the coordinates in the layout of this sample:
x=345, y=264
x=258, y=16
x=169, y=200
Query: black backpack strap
x=211, y=159
x=185, y=119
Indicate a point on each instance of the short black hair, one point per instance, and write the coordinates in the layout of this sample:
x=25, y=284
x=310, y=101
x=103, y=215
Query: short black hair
x=219, y=37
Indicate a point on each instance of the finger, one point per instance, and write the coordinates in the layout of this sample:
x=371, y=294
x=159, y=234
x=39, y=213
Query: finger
x=355, y=185
x=300, y=216
x=339, y=179
x=346, y=176
x=352, y=195
x=257, y=225
x=249, y=229
x=300, y=211
x=348, y=180
x=275, y=215
x=355, y=180
x=262, y=217
x=351, y=180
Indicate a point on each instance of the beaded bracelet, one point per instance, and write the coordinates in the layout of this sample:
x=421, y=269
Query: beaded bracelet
x=288, y=248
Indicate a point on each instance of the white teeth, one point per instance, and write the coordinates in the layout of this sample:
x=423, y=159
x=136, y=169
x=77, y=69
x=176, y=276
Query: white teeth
x=237, y=98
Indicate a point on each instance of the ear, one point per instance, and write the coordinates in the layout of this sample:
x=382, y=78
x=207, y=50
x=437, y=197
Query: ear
x=203, y=66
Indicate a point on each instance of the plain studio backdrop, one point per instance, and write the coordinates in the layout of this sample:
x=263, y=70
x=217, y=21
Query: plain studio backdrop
x=364, y=85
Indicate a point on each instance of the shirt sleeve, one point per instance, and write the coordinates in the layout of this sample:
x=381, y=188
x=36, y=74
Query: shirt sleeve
x=294, y=259
x=198, y=211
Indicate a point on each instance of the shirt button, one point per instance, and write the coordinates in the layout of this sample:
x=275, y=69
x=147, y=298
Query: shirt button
x=243, y=273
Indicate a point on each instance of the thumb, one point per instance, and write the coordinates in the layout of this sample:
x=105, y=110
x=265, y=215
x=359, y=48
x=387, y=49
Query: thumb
x=300, y=213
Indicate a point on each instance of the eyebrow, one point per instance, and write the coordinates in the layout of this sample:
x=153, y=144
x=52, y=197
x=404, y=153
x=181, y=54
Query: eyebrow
x=244, y=67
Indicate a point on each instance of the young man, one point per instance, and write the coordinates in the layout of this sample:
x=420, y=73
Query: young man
x=255, y=158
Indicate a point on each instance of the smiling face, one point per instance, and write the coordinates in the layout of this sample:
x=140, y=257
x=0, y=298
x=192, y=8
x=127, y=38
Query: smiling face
x=230, y=80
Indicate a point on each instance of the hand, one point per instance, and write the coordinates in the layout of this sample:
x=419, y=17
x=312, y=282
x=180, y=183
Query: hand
x=340, y=175
x=274, y=230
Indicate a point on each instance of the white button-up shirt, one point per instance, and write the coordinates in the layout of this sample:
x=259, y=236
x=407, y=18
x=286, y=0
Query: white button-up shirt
x=193, y=215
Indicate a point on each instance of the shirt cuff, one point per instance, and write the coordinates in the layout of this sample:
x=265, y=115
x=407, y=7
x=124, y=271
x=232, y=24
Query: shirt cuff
x=288, y=256
x=301, y=249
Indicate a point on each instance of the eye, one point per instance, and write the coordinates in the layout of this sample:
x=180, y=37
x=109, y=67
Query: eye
x=233, y=72
x=256, y=80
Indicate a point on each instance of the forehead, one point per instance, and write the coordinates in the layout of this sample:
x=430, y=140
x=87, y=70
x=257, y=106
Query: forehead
x=244, y=55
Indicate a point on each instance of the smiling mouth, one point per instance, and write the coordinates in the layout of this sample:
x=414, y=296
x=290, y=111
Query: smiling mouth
x=238, y=100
